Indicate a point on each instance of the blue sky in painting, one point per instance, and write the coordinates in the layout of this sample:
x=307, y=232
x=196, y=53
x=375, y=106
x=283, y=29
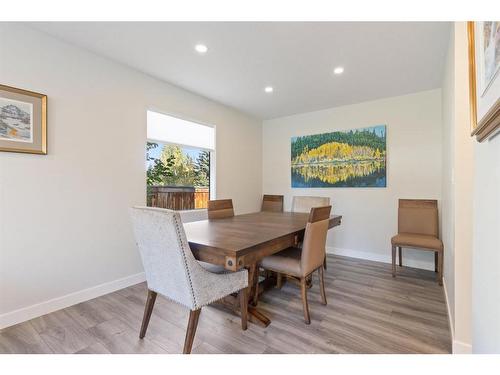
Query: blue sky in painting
x=379, y=130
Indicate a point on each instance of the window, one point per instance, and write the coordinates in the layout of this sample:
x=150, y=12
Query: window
x=178, y=162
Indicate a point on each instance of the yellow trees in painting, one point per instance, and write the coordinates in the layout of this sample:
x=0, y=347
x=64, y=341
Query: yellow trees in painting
x=335, y=151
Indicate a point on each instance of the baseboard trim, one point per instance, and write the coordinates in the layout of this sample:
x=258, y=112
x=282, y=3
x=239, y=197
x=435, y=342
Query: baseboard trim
x=378, y=257
x=46, y=307
x=450, y=320
x=461, y=347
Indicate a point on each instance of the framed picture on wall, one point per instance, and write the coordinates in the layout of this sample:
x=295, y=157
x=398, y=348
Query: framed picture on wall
x=23, y=121
x=344, y=158
x=484, y=77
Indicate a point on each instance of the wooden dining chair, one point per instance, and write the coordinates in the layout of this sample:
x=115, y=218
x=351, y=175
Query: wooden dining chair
x=301, y=263
x=272, y=203
x=220, y=209
x=418, y=228
x=304, y=203
x=172, y=271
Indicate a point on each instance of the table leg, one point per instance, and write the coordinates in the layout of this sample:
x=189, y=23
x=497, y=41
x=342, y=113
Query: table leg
x=253, y=275
x=232, y=304
x=255, y=316
x=253, y=287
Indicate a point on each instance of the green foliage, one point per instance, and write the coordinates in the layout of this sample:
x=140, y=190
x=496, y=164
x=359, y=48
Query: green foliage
x=160, y=169
x=175, y=168
x=202, y=169
x=365, y=137
x=182, y=167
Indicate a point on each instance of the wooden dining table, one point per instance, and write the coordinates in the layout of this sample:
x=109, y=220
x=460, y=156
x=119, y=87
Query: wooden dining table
x=242, y=241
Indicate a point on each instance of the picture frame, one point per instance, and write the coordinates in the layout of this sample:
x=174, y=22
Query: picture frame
x=23, y=121
x=484, y=78
x=347, y=158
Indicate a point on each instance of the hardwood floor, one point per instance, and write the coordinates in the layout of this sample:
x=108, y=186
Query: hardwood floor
x=368, y=312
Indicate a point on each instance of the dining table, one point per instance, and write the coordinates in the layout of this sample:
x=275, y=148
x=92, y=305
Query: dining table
x=241, y=241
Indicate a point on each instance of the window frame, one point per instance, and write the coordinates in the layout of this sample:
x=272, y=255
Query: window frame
x=212, y=153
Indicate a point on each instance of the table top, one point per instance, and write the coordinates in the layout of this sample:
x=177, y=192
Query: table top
x=241, y=232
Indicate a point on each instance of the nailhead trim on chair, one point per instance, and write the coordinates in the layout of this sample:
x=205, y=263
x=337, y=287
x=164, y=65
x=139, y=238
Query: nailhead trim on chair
x=182, y=245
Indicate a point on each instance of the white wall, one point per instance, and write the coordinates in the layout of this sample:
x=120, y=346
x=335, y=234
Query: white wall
x=370, y=214
x=463, y=195
x=64, y=224
x=457, y=182
x=486, y=253
x=448, y=197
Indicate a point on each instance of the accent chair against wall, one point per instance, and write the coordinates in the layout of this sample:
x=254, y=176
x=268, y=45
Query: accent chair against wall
x=418, y=228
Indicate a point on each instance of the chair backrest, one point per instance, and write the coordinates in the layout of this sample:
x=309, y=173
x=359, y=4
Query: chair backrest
x=167, y=259
x=272, y=203
x=305, y=203
x=313, y=247
x=418, y=216
x=220, y=209
x=188, y=216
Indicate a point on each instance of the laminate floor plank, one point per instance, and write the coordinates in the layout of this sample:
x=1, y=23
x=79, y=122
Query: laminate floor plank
x=22, y=338
x=96, y=348
x=117, y=337
x=62, y=333
x=368, y=311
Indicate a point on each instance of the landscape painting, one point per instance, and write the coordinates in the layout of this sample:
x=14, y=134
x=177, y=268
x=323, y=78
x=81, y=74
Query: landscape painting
x=353, y=158
x=490, y=52
x=16, y=120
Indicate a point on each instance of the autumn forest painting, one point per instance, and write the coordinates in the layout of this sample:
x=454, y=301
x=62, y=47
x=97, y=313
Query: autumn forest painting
x=353, y=158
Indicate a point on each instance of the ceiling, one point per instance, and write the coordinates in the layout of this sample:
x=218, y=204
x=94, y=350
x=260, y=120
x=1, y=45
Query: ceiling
x=380, y=59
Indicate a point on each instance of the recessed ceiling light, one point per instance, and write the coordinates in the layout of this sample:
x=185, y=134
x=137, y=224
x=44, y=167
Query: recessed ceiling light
x=338, y=70
x=201, y=48
x=268, y=89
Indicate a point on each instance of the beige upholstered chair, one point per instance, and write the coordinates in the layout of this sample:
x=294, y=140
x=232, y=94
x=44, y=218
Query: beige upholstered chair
x=418, y=228
x=188, y=216
x=172, y=270
x=301, y=263
x=305, y=203
x=272, y=203
x=220, y=209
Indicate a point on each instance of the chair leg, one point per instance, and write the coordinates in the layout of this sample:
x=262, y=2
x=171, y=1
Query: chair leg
x=148, y=310
x=436, y=268
x=309, y=281
x=279, y=280
x=393, y=261
x=440, y=267
x=191, y=330
x=400, y=251
x=243, y=295
x=303, y=289
x=322, y=285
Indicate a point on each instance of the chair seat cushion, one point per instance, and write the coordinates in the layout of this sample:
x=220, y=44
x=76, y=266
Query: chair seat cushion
x=286, y=261
x=417, y=240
